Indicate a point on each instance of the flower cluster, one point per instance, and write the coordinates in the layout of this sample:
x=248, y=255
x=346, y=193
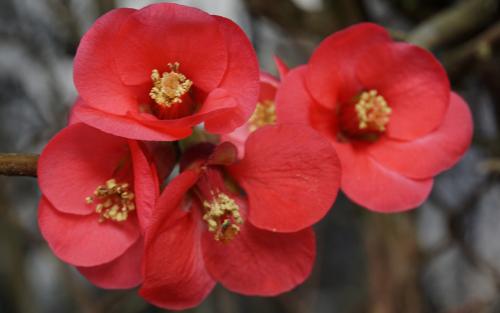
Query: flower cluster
x=136, y=193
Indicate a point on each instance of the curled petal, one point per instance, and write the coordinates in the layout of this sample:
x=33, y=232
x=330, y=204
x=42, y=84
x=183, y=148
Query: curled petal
x=128, y=126
x=146, y=184
x=241, y=79
x=174, y=271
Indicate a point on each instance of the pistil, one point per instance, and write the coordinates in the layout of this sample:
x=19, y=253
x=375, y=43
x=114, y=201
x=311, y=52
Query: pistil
x=264, y=114
x=221, y=212
x=373, y=111
x=222, y=215
x=366, y=116
x=171, y=93
x=113, y=201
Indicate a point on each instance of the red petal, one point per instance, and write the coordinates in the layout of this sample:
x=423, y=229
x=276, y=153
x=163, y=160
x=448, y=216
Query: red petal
x=414, y=84
x=146, y=184
x=166, y=33
x=281, y=66
x=121, y=273
x=217, y=103
x=268, y=88
x=81, y=240
x=429, y=155
x=292, y=99
x=331, y=72
x=142, y=126
x=77, y=160
x=224, y=154
x=237, y=138
x=174, y=271
x=127, y=126
x=260, y=262
x=376, y=187
x=291, y=175
x=95, y=74
x=163, y=156
x=241, y=80
x=72, y=118
x=170, y=199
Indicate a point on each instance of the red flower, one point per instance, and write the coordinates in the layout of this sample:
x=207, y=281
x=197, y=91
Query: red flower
x=264, y=114
x=204, y=231
x=152, y=74
x=98, y=192
x=265, y=111
x=387, y=109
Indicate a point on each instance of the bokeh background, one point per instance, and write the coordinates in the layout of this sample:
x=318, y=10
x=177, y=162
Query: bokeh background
x=442, y=257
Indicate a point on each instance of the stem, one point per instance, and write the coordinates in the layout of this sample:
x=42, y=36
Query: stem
x=18, y=164
x=393, y=263
x=479, y=48
x=450, y=24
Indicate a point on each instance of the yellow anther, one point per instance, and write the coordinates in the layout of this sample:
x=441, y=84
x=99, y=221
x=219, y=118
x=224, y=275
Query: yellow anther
x=114, y=201
x=222, y=216
x=372, y=110
x=264, y=114
x=169, y=87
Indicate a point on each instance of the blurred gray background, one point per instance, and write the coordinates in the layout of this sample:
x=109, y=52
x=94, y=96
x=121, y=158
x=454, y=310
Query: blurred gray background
x=442, y=257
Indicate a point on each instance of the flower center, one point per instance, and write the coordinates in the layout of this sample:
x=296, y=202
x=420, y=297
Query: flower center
x=264, y=114
x=113, y=201
x=373, y=111
x=365, y=117
x=170, y=87
x=222, y=215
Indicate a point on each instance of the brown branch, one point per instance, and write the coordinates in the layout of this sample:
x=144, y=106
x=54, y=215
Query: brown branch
x=393, y=262
x=452, y=23
x=479, y=48
x=293, y=19
x=18, y=164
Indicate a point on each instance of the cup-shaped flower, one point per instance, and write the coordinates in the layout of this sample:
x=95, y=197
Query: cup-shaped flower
x=388, y=110
x=264, y=113
x=98, y=193
x=154, y=73
x=257, y=242
x=265, y=110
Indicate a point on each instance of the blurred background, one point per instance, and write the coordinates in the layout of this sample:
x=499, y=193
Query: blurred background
x=442, y=257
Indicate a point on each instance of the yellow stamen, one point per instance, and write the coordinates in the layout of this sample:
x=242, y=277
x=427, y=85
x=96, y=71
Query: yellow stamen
x=372, y=110
x=222, y=216
x=170, y=86
x=114, y=201
x=264, y=114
